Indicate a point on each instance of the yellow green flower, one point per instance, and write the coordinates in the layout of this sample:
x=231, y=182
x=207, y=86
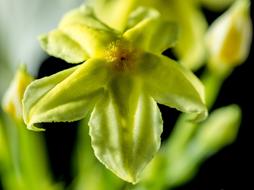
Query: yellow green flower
x=122, y=77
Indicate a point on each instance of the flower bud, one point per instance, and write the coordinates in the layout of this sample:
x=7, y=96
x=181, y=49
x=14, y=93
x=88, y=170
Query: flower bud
x=12, y=101
x=229, y=37
x=219, y=130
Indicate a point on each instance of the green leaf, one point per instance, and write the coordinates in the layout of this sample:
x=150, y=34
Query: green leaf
x=65, y=96
x=125, y=128
x=84, y=28
x=159, y=35
x=60, y=45
x=171, y=84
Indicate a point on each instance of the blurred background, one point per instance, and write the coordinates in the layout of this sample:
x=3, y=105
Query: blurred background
x=231, y=167
x=21, y=21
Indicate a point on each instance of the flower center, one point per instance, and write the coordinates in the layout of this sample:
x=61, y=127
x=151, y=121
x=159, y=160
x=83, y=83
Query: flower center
x=121, y=55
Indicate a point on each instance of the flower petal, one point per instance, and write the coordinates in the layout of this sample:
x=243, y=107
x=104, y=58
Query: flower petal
x=172, y=85
x=159, y=35
x=84, y=15
x=82, y=26
x=65, y=96
x=60, y=45
x=192, y=25
x=125, y=129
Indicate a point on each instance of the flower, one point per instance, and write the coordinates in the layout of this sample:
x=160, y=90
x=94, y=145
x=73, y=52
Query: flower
x=216, y=5
x=12, y=101
x=122, y=76
x=192, y=25
x=229, y=37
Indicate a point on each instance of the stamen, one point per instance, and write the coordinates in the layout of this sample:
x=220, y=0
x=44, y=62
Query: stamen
x=121, y=55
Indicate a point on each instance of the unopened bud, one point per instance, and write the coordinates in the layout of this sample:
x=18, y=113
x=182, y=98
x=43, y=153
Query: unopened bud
x=229, y=37
x=12, y=101
x=220, y=129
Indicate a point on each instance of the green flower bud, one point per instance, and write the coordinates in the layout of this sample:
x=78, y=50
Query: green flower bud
x=229, y=37
x=219, y=129
x=12, y=101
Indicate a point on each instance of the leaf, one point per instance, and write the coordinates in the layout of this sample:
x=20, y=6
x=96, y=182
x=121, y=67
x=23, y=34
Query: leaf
x=65, y=96
x=125, y=128
x=159, y=35
x=172, y=85
x=60, y=45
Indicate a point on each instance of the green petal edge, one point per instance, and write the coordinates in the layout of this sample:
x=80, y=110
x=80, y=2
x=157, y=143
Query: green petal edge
x=60, y=45
x=171, y=84
x=159, y=35
x=65, y=96
x=125, y=129
x=82, y=26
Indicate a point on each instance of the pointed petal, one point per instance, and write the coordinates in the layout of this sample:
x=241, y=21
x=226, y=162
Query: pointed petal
x=172, y=85
x=159, y=35
x=82, y=26
x=65, y=96
x=125, y=129
x=60, y=45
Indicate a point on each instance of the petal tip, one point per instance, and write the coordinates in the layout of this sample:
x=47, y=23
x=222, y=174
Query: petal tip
x=33, y=128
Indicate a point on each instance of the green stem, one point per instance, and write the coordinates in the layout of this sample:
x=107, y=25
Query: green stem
x=212, y=83
x=27, y=168
x=32, y=157
x=184, y=130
